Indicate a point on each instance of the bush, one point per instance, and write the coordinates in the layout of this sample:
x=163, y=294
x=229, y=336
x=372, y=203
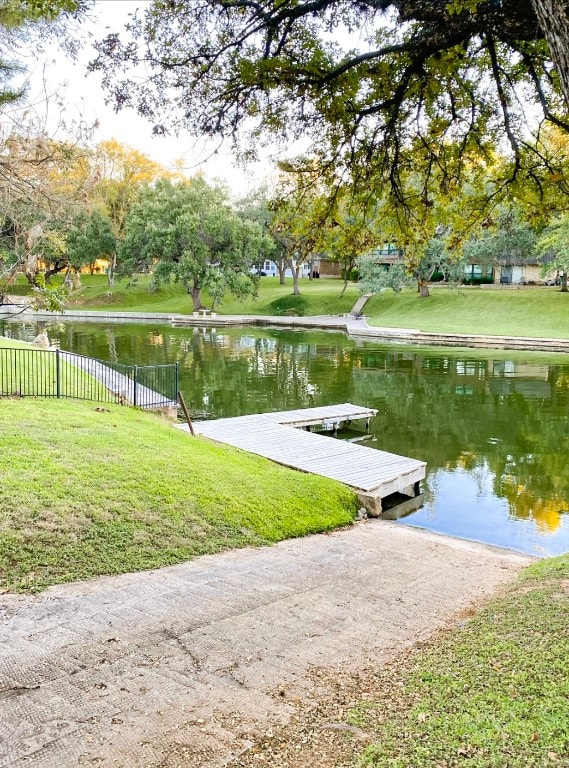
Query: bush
x=353, y=275
x=289, y=305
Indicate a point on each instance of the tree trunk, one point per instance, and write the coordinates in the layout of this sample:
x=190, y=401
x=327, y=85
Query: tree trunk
x=423, y=287
x=49, y=273
x=348, y=267
x=67, y=282
x=295, y=276
x=554, y=22
x=111, y=271
x=196, y=293
x=31, y=269
x=564, y=282
x=281, y=269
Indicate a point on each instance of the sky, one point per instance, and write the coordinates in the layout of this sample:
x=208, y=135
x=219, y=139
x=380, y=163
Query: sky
x=82, y=97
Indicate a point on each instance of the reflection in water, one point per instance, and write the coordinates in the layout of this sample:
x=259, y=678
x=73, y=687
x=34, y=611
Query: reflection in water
x=493, y=427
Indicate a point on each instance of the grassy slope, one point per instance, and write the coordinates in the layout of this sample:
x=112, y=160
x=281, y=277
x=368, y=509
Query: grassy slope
x=493, y=693
x=86, y=492
x=318, y=297
x=542, y=312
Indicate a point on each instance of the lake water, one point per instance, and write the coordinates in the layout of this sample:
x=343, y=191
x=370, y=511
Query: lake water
x=493, y=427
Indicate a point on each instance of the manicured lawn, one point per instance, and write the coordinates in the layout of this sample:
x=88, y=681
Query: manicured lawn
x=493, y=693
x=318, y=297
x=541, y=312
x=88, y=492
x=532, y=311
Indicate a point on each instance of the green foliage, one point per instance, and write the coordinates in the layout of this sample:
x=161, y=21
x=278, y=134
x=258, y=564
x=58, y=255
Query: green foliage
x=89, y=492
x=495, y=692
x=14, y=13
x=90, y=238
x=432, y=87
x=188, y=231
x=504, y=240
x=52, y=298
x=374, y=277
x=554, y=246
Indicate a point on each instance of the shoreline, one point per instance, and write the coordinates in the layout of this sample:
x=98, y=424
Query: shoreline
x=356, y=328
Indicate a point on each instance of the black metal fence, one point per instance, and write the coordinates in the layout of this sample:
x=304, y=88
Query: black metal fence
x=54, y=373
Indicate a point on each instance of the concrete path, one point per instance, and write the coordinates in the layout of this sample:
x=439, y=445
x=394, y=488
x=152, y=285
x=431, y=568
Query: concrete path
x=188, y=665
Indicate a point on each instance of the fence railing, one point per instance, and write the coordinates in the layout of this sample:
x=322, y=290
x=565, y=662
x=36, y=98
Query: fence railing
x=54, y=373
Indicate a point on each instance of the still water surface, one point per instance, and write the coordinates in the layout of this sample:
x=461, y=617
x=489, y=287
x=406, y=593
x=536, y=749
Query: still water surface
x=493, y=427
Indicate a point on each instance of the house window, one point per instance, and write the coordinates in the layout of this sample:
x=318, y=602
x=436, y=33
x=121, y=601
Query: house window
x=476, y=273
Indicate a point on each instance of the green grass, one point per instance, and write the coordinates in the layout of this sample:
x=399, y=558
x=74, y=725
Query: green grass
x=541, y=312
x=87, y=492
x=318, y=297
x=34, y=372
x=494, y=693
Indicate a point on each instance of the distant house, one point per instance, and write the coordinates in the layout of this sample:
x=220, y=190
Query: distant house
x=511, y=272
x=268, y=268
x=387, y=255
x=528, y=273
x=99, y=267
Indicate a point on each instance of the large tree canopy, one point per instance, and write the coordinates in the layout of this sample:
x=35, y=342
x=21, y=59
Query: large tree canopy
x=189, y=232
x=377, y=83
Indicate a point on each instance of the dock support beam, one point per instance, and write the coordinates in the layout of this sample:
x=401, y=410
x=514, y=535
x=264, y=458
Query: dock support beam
x=371, y=503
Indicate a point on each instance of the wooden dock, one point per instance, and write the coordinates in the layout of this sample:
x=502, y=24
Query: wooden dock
x=282, y=437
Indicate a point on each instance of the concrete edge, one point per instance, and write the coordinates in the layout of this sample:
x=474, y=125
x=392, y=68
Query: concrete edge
x=355, y=328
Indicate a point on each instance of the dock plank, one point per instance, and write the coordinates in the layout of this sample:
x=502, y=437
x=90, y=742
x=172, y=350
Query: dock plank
x=276, y=436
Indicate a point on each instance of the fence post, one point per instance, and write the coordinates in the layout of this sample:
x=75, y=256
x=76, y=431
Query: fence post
x=57, y=374
x=177, y=387
x=134, y=382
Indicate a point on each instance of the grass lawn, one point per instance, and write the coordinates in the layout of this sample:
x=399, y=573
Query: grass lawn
x=494, y=693
x=541, y=312
x=87, y=492
x=532, y=311
x=33, y=371
x=318, y=297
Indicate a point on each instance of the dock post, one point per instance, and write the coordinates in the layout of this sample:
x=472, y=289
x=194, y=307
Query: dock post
x=186, y=413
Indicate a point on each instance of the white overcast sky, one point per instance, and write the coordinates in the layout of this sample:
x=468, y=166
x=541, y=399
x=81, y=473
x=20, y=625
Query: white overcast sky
x=82, y=96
